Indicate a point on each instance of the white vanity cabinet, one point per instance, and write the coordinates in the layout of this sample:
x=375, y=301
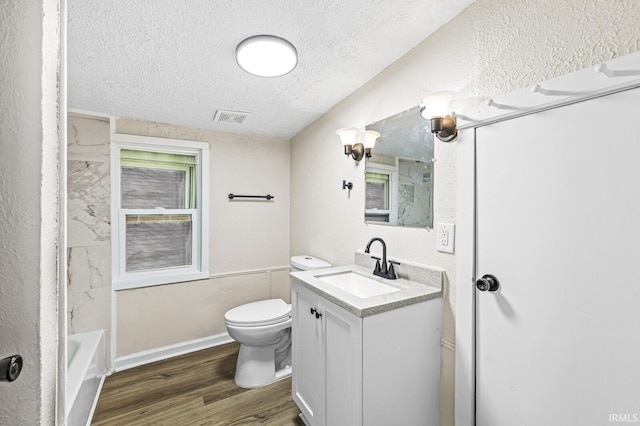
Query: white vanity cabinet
x=327, y=361
x=380, y=369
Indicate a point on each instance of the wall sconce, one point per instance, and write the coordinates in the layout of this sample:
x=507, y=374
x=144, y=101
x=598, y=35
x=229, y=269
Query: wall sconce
x=357, y=150
x=435, y=107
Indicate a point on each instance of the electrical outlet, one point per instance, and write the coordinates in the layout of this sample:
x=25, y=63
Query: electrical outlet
x=445, y=237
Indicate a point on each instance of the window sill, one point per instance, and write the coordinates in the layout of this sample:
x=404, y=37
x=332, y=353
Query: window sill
x=150, y=280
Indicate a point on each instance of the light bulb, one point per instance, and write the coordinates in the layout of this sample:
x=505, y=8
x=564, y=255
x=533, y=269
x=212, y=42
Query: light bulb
x=435, y=104
x=370, y=137
x=347, y=135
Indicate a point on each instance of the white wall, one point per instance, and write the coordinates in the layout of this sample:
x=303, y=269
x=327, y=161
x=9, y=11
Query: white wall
x=29, y=230
x=249, y=243
x=244, y=234
x=493, y=47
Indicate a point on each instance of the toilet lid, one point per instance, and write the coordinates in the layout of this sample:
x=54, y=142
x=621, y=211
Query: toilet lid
x=264, y=312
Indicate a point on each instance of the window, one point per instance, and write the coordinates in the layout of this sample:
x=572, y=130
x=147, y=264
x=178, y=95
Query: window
x=160, y=229
x=380, y=201
x=377, y=197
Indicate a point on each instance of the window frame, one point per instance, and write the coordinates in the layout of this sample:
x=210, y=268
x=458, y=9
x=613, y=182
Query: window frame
x=392, y=172
x=199, y=268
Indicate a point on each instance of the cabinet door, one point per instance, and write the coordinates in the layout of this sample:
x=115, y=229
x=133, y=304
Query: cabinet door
x=308, y=379
x=343, y=364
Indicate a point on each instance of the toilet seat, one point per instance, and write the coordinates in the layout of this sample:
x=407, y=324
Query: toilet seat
x=256, y=314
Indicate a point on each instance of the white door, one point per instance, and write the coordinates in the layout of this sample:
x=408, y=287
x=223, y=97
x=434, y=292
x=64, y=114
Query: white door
x=558, y=224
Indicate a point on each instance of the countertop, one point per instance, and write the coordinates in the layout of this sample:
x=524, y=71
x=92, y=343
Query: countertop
x=410, y=291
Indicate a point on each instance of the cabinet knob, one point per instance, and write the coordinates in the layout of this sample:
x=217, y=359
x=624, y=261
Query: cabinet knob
x=313, y=311
x=318, y=314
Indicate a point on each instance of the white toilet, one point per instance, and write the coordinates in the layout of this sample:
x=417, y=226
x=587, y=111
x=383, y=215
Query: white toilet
x=263, y=330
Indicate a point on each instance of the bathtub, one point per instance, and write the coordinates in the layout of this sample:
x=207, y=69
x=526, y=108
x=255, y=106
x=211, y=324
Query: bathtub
x=85, y=375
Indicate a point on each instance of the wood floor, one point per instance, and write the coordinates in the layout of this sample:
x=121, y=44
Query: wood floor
x=193, y=389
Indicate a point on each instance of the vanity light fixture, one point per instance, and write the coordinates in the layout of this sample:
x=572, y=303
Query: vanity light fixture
x=370, y=138
x=434, y=106
x=357, y=150
x=266, y=56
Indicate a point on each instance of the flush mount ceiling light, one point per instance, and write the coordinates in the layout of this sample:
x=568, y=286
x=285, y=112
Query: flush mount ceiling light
x=266, y=56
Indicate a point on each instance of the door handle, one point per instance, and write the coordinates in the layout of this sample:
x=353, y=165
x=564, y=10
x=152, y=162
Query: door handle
x=10, y=368
x=488, y=283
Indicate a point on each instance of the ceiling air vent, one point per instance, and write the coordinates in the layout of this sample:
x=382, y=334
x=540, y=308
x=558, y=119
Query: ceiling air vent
x=233, y=117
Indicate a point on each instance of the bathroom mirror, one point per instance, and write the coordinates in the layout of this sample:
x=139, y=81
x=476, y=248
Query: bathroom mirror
x=399, y=174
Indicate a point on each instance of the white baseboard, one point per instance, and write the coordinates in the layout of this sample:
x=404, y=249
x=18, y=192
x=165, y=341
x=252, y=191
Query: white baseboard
x=158, y=354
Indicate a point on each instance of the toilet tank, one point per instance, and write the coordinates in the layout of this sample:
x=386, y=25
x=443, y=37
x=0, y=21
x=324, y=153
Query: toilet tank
x=307, y=263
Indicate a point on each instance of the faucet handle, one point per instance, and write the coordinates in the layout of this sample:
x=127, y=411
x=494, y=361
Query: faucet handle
x=391, y=274
x=377, y=268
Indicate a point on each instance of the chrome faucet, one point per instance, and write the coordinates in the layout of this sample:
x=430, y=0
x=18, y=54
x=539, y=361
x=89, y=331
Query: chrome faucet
x=385, y=270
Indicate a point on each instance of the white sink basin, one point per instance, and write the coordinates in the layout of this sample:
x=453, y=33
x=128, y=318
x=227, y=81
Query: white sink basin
x=356, y=284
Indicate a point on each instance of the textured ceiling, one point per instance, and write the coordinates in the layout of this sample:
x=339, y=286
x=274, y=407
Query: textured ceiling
x=172, y=61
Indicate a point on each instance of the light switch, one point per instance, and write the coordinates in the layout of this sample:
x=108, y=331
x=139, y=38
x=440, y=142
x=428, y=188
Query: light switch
x=445, y=236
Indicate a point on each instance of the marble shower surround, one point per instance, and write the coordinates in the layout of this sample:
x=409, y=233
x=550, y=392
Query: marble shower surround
x=89, y=228
x=89, y=203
